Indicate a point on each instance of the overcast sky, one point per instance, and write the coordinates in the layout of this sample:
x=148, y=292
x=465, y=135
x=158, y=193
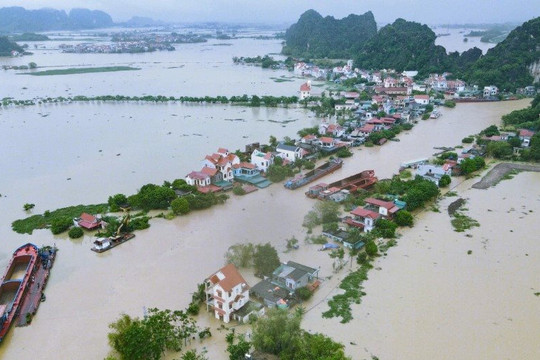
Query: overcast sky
x=288, y=11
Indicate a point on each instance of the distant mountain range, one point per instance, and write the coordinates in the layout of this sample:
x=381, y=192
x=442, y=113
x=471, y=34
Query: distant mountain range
x=18, y=19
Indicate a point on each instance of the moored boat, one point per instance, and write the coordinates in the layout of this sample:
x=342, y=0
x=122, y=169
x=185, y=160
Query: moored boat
x=325, y=169
x=15, y=285
x=104, y=244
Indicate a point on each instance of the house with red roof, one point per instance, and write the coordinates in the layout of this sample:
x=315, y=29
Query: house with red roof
x=327, y=143
x=305, y=90
x=362, y=218
x=223, y=161
x=525, y=137
x=198, y=179
x=386, y=208
x=366, y=130
x=421, y=99
x=226, y=292
x=89, y=222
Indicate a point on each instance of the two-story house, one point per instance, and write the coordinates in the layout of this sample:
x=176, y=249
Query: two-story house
x=386, y=208
x=289, y=152
x=223, y=161
x=363, y=219
x=226, y=292
x=262, y=160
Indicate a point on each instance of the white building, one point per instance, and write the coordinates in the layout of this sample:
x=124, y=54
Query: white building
x=262, y=160
x=490, y=91
x=289, y=152
x=226, y=292
x=305, y=90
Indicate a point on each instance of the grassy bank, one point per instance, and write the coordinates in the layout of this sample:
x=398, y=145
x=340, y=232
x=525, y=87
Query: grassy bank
x=41, y=221
x=72, y=71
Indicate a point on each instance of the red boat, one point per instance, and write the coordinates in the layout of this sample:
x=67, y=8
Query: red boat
x=15, y=285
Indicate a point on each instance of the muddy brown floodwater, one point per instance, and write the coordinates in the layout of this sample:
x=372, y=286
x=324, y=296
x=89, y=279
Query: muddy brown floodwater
x=428, y=300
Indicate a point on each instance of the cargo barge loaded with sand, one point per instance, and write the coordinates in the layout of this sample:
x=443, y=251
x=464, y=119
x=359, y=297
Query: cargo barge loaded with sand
x=22, y=286
x=325, y=169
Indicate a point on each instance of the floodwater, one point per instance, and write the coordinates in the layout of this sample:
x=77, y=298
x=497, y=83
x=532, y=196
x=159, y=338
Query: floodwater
x=430, y=299
x=60, y=155
x=454, y=41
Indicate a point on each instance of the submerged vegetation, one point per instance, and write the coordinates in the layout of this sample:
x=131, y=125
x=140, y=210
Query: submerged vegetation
x=72, y=71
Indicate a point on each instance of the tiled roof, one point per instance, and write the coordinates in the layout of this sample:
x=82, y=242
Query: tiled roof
x=305, y=87
x=197, y=175
x=360, y=211
x=385, y=204
x=228, y=277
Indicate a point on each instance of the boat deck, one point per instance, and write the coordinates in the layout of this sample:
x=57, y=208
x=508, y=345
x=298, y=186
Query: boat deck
x=33, y=297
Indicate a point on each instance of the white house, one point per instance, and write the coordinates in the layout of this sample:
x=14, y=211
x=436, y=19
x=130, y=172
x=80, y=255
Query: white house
x=385, y=208
x=226, y=292
x=363, y=218
x=289, y=152
x=262, y=160
x=421, y=99
x=490, y=91
x=305, y=90
x=198, y=178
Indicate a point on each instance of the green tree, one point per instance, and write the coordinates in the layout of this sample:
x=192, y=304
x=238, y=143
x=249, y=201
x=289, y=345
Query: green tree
x=239, y=350
x=278, y=333
x=148, y=338
x=265, y=259
x=75, y=232
x=180, y=206
x=60, y=224
x=116, y=201
x=499, y=149
x=386, y=228
x=241, y=255
x=445, y=181
x=319, y=346
x=404, y=218
x=193, y=355
x=371, y=248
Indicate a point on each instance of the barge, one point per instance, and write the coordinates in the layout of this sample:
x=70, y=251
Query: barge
x=361, y=180
x=304, y=179
x=16, y=284
x=104, y=244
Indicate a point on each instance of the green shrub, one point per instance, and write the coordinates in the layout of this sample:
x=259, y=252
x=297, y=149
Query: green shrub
x=238, y=190
x=371, y=248
x=445, y=181
x=303, y=293
x=75, y=232
x=404, y=218
x=61, y=224
x=180, y=206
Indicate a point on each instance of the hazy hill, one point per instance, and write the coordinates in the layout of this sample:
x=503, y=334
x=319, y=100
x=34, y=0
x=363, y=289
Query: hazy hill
x=6, y=46
x=18, y=19
x=514, y=62
x=403, y=45
x=317, y=37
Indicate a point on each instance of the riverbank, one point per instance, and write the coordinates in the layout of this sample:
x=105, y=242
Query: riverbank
x=500, y=171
